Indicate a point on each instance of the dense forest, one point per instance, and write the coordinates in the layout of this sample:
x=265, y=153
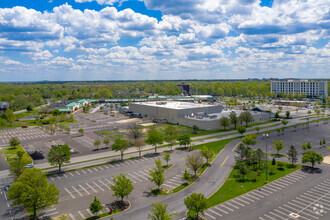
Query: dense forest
x=22, y=95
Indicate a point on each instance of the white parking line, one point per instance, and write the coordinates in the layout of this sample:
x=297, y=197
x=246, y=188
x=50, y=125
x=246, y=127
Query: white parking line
x=101, y=168
x=256, y=194
x=90, y=170
x=95, y=169
x=84, y=189
x=269, y=217
x=83, y=171
x=104, y=184
x=91, y=187
x=133, y=177
x=227, y=207
x=140, y=175
x=212, y=217
x=218, y=214
x=71, y=174
x=80, y=213
x=77, y=191
x=71, y=216
x=89, y=212
x=217, y=208
x=108, y=181
x=227, y=203
x=236, y=202
x=242, y=200
x=69, y=193
x=98, y=186
x=77, y=173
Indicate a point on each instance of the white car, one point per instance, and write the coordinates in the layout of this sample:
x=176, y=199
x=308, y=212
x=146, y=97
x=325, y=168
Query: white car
x=31, y=165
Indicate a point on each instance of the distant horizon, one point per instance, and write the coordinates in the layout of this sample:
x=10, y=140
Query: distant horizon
x=175, y=80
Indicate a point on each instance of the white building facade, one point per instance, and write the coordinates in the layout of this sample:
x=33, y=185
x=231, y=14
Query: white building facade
x=310, y=87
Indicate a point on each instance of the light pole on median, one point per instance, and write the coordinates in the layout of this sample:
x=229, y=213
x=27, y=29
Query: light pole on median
x=266, y=136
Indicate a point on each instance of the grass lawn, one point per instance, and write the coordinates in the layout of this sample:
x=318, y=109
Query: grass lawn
x=24, y=114
x=11, y=155
x=216, y=146
x=234, y=186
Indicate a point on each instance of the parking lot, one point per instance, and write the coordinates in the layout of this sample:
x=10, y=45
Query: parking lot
x=312, y=204
x=227, y=208
x=23, y=134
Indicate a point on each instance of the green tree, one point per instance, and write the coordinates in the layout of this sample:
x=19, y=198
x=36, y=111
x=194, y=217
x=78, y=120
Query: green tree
x=196, y=203
x=186, y=176
x=159, y=212
x=312, y=157
x=308, y=145
x=120, y=145
x=33, y=192
x=243, y=169
x=249, y=139
x=58, y=155
x=106, y=141
x=194, y=161
x=241, y=130
x=155, y=138
x=233, y=118
x=81, y=131
x=184, y=140
x=17, y=169
x=292, y=155
x=284, y=123
x=167, y=157
x=257, y=129
x=246, y=116
x=171, y=134
x=287, y=113
x=224, y=121
x=195, y=129
x=277, y=115
x=97, y=143
x=56, y=112
x=157, y=175
x=122, y=186
x=278, y=145
x=10, y=116
x=206, y=153
x=14, y=142
x=95, y=206
x=259, y=154
x=135, y=132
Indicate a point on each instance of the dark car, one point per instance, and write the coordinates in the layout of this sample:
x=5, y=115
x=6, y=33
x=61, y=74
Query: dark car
x=24, y=126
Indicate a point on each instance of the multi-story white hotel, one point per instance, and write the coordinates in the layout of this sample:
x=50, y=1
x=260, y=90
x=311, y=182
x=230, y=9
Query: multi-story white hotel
x=309, y=87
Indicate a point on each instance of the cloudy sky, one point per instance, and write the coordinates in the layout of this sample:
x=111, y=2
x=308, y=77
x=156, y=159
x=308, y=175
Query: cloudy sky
x=163, y=39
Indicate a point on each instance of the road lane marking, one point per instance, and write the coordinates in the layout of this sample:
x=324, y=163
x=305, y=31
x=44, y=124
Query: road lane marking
x=224, y=161
x=235, y=147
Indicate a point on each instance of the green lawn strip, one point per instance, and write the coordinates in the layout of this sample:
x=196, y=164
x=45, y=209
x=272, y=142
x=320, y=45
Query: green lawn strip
x=115, y=211
x=24, y=114
x=10, y=154
x=234, y=187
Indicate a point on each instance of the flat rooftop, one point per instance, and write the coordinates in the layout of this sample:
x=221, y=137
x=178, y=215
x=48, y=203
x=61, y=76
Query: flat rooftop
x=224, y=113
x=174, y=105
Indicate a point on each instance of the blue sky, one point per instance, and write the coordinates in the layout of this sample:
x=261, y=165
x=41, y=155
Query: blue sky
x=157, y=39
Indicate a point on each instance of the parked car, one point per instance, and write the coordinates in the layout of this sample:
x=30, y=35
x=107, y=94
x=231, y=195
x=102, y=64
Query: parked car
x=31, y=165
x=24, y=126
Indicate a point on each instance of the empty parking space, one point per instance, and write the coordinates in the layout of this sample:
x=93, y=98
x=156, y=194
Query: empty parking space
x=312, y=204
x=23, y=134
x=102, y=185
x=260, y=194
